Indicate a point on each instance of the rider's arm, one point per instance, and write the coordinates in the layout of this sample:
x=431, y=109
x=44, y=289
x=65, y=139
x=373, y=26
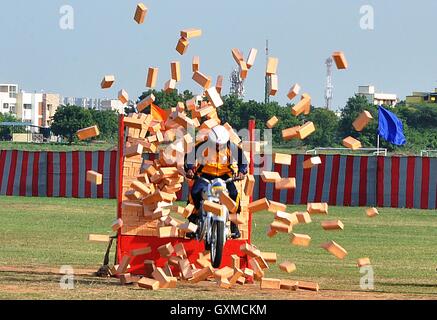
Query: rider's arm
x=190, y=158
x=242, y=161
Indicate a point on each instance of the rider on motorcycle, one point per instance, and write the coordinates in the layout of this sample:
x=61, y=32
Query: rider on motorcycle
x=215, y=158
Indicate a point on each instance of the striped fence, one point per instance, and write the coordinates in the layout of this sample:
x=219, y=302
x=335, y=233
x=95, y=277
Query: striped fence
x=57, y=174
x=399, y=182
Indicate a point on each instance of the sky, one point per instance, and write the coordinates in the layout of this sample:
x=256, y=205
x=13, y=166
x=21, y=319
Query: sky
x=397, y=56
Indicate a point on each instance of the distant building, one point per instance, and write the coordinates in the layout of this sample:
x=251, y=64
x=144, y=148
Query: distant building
x=369, y=92
x=8, y=98
x=422, y=98
x=115, y=105
x=87, y=103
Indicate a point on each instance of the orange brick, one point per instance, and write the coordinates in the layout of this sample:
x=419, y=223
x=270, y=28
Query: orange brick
x=188, y=210
x=280, y=226
x=272, y=65
x=352, y=143
x=188, y=227
x=311, y=162
x=270, y=283
x=237, y=55
x=123, y=96
x=335, y=249
x=117, y=224
x=317, y=208
x=372, y=212
x=259, y=205
x=141, y=188
x=248, y=272
x=166, y=250
x=270, y=177
x=257, y=270
x=159, y=275
x=94, y=177
x=196, y=63
x=169, y=86
x=285, y=183
x=306, y=285
x=303, y=106
x=276, y=206
x=228, y=202
x=147, y=283
x=191, y=33
x=175, y=67
x=303, y=217
x=186, y=269
x=124, y=264
x=273, y=84
x=305, y=130
x=140, y=13
x=214, y=97
x=149, y=267
x=167, y=232
x=202, y=275
x=180, y=250
x=287, y=266
x=287, y=218
x=235, y=261
x=225, y=272
x=272, y=122
x=214, y=208
x=87, y=133
x=281, y=158
x=202, y=80
x=140, y=251
x=269, y=256
x=362, y=121
x=182, y=46
x=107, y=82
x=250, y=250
x=340, y=60
x=244, y=70
x=294, y=91
x=236, y=276
x=290, y=133
x=363, y=262
x=127, y=278
x=219, y=84
x=289, y=285
x=333, y=225
x=302, y=240
x=152, y=77
x=98, y=238
x=251, y=58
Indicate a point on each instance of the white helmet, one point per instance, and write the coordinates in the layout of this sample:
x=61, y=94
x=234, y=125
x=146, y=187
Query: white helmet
x=219, y=135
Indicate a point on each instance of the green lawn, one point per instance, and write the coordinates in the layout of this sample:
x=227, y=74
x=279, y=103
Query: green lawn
x=52, y=232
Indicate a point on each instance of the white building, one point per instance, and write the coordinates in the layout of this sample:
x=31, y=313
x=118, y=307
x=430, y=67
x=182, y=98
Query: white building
x=375, y=98
x=8, y=97
x=113, y=105
x=30, y=108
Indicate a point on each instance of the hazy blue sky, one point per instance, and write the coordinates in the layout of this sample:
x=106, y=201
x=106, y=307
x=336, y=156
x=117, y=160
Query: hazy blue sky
x=398, y=56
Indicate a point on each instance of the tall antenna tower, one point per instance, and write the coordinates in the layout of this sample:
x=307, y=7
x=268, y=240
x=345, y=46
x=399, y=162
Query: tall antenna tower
x=267, y=79
x=329, y=86
x=237, y=84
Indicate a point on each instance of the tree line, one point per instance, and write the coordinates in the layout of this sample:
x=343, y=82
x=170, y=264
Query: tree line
x=420, y=122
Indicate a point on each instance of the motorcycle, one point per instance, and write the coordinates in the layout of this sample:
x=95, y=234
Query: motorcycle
x=213, y=229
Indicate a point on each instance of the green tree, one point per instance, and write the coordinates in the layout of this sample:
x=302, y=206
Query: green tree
x=354, y=107
x=326, y=123
x=107, y=121
x=68, y=119
x=164, y=100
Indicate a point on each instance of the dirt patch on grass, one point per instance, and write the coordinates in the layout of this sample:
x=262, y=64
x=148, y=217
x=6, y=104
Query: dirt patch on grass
x=43, y=283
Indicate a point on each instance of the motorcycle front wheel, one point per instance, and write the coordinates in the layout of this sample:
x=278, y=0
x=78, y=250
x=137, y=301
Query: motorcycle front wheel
x=217, y=243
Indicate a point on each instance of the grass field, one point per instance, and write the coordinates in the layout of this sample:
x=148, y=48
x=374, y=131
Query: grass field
x=38, y=235
x=56, y=147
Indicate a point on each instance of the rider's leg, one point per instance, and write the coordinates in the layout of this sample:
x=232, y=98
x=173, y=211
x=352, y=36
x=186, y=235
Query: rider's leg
x=233, y=193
